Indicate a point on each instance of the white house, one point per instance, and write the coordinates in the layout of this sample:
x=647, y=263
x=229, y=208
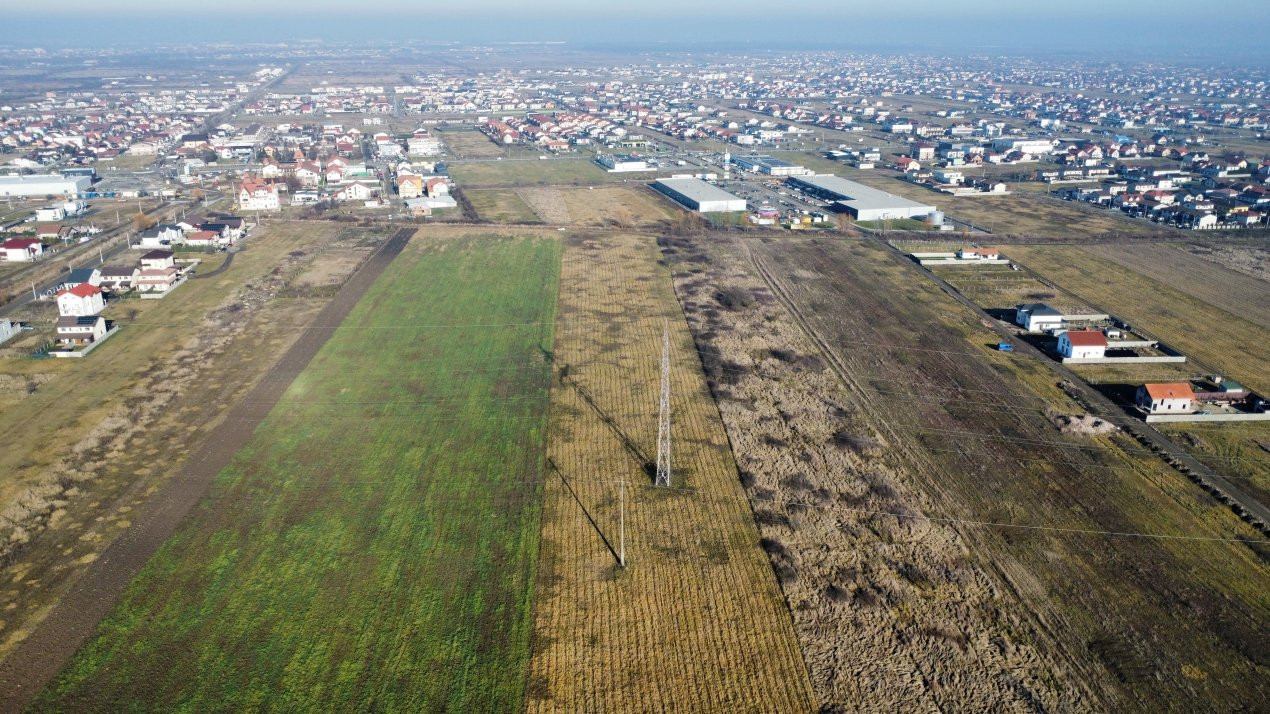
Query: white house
x=1082, y=344
x=1174, y=397
x=158, y=259
x=80, y=329
x=157, y=280
x=1037, y=317
x=83, y=299
x=978, y=254
x=258, y=196
x=8, y=329
x=357, y=192
x=21, y=250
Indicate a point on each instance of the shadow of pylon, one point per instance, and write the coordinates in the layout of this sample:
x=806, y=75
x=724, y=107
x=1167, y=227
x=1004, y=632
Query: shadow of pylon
x=645, y=464
x=551, y=464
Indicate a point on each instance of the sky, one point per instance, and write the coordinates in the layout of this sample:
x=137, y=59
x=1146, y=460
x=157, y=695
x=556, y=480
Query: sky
x=1157, y=28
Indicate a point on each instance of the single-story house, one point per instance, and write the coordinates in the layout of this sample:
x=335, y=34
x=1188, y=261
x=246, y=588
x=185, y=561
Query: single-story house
x=21, y=250
x=1037, y=317
x=118, y=278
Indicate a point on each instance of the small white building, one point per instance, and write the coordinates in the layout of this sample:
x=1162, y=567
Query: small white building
x=978, y=254
x=83, y=299
x=1082, y=344
x=21, y=250
x=8, y=329
x=618, y=163
x=1168, y=398
x=158, y=259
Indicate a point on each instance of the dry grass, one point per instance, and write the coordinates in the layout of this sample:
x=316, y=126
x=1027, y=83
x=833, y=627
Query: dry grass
x=1215, y=284
x=471, y=144
x=547, y=203
x=696, y=622
x=1218, y=339
x=619, y=206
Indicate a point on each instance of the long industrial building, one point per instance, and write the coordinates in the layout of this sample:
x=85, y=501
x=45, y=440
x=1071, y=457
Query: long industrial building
x=864, y=203
x=697, y=195
x=770, y=166
x=36, y=185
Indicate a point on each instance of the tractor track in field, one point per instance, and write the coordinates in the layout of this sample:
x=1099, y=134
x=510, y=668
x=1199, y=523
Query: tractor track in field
x=37, y=660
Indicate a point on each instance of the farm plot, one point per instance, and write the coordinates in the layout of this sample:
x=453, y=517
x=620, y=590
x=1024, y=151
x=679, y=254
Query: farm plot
x=501, y=206
x=471, y=144
x=998, y=288
x=1220, y=287
x=529, y=172
x=620, y=207
x=696, y=622
x=373, y=546
x=89, y=441
x=936, y=531
x=1216, y=339
x=1251, y=260
x=548, y=203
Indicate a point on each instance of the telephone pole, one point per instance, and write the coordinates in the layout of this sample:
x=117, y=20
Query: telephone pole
x=663, y=417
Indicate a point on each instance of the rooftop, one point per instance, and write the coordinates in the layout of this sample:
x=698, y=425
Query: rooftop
x=696, y=189
x=857, y=194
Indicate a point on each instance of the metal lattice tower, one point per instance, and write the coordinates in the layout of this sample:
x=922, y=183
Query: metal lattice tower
x=663, y=417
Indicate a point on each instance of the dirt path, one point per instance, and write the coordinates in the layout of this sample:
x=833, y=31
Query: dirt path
x=39, y=658
x=229, y=259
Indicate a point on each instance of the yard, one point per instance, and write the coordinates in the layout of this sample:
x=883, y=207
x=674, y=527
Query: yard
x=374, y=544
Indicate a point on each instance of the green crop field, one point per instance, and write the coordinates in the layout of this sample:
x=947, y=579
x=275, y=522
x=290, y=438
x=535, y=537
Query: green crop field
x=373, y=547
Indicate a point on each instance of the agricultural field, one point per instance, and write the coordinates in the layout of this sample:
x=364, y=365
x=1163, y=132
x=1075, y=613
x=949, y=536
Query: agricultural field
x=89, y=440
x=999, y=289
x=620, y=206
x=392, y=567
x=501, y=206
x=532, y=172
x=1240, y=452
x=696, y=621
x=1216, y=339
x=471, y=144
x=1249, y=259
x=939, y=527
x=1216, y=285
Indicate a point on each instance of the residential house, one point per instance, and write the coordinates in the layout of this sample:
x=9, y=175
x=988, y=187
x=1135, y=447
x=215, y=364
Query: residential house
x=978, y=254
x=256, y=195
x=21, y=250
x=409, y=185
x=202, y=239
x=78, y=276
x=83, y=299
x=80, y=329
x=1037, y=317
x=8, y=329
x=118, y=278
x=158, y=259
x=1082, y=344
x=436, y=186
x=1173, y=397
x=157, y=280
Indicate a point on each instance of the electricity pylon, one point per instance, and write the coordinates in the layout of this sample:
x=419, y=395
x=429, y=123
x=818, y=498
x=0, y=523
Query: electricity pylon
x=663, y=417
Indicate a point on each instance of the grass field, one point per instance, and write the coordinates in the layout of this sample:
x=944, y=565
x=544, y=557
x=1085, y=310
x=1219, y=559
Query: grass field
x=1217, y=338
x=996, y=287
x=533, y=172
x=696, y=622
x=620, y=206
x=373, y=546
x=471, y=144
x=501, y=206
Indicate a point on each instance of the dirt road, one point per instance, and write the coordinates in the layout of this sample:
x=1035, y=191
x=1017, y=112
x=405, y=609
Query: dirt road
x=34, y=662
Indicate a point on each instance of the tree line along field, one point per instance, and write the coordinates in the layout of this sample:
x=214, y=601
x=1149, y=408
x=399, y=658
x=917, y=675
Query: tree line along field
x=1208, y=333
x=964, y=555
x=696, y=622
x=373, y=546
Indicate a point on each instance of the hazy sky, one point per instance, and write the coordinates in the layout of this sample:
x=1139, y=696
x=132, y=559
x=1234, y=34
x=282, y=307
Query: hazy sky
x=1165, y=27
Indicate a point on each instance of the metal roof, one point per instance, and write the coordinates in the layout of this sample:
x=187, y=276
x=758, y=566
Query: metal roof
x=857, y=195
x=697, y=190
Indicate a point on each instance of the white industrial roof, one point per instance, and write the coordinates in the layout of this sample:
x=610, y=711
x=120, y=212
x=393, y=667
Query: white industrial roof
x=697, y=190
x=857, y=195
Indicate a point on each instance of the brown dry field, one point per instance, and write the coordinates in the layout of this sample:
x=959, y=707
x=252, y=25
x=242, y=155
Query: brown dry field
x=1234, y=292
x=1216, y=338
x=619, y=206
x=943, y=545
x=547, y=203
x=1251, y=260
x=128, y=415
x=1017, y=213
x=696, y=622
x=996, y=287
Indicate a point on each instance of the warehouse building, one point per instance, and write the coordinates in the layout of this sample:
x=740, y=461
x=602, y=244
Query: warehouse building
x=37, y=185
x=864, y=203
x=697, y=195
x=770, y=166
x=619, y=163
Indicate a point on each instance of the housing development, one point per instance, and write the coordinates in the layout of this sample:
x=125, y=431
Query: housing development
x=526, y=376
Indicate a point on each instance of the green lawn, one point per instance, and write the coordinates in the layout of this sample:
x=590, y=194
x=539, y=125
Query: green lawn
x=373, y=546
